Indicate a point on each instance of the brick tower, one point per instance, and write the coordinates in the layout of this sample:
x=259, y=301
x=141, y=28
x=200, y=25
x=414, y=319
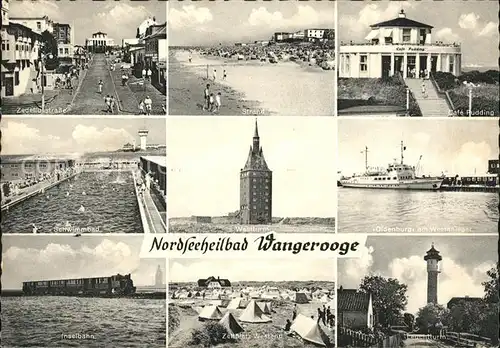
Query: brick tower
x=432, y=257
x=256, y=186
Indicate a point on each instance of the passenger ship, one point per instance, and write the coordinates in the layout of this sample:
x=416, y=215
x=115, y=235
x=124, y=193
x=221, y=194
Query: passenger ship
x=397, y=176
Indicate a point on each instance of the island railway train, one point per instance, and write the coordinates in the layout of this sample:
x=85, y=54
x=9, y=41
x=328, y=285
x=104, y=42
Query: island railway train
x=108, y=286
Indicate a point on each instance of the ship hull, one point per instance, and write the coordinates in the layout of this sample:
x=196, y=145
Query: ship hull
x=423, y=185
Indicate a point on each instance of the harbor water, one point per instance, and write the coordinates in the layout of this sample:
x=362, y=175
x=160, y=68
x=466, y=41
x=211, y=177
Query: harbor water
x=107, y=197
x=52, y=321
x=296, y=90
x=391, y=211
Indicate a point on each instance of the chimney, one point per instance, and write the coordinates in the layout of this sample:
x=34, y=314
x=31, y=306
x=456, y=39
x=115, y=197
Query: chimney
x=341, y=288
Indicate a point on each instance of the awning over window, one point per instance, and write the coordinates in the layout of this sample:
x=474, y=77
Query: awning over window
x=387, y=32
x=372, y=35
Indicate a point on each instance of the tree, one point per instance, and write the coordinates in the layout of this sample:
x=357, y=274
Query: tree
x=409, y=320
x=430, y=318
x=389, y=298
x=49, y=47
x=491, y=286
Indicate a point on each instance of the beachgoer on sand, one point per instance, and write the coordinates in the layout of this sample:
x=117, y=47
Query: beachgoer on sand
x=211, y=104
x=217, y=102
x=206, y=103
x=224, y=76
x=215, y=74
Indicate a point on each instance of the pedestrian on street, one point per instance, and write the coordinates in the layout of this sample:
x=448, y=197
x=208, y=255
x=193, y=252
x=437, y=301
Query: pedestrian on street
x=124, y=79
x=107, y=100
x=141, y=107
x=144, y=73
x=148, y=103
x=149, y=74
x=99, y=86
x=112, y=104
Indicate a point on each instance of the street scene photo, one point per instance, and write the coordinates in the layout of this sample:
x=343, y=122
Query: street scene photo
x=242, y=303
x=252, y=58
x=418, y=176
x=418, y=58
x=92, y=291
x=249, y=175
x=84, y=58
x=420, y=291
x=84, y=176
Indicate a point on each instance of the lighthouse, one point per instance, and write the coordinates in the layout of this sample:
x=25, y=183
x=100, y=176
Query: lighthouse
x=159, y=281
x=432, y=258
x=143, y=135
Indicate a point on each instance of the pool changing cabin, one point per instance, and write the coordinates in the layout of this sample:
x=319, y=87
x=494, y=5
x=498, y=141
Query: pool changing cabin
x=398, y=45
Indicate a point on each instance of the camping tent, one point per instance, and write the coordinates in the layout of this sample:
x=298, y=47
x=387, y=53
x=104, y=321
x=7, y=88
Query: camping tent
x=308, y=329
x=254, y=314
x=210, y=313
x=265, y=306
x=235, y=303
x=301, y=297
x=232, y=326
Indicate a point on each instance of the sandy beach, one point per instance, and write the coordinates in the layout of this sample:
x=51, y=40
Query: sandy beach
x=251, y=87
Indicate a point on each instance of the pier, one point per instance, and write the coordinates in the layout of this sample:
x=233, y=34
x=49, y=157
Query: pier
x=461, y=188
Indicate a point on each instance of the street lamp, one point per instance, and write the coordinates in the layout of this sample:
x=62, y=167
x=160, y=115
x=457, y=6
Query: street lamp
x=42, y=69
x=470, y=100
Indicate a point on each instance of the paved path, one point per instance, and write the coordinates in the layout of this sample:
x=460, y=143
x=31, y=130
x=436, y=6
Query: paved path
x=422, y=342
x=431, y=105
x=89, y=101
x=155, y=219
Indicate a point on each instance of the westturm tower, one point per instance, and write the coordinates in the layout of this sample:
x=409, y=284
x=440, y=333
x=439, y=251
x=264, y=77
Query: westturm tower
x=256, y=186
x=432, y=257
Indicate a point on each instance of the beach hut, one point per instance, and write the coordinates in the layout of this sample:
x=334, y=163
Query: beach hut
x=254, y=314
x=231, y=324
x=210, y=313
x=308, y=330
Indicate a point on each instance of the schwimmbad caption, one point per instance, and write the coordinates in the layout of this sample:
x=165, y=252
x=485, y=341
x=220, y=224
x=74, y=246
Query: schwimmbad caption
x=269, y=245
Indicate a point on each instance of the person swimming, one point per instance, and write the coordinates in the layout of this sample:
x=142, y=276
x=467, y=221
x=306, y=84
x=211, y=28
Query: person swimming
x=81, y=209
x=83, y=193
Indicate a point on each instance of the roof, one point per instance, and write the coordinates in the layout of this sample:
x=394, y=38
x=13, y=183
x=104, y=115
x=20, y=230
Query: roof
x=14, y=24
x=160, y=160
x=162, y=33
x=433, y=254
x=99, y=32
x=401, y=21
x=255, y=159
x=352, y=300
x=455, y=300
x=222, y=282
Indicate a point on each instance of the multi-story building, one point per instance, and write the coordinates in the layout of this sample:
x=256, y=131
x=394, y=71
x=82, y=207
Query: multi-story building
x=63, y=33
x=20, y=45
x=155, y=53
x=256, y=186
x=399, y=45
x=99, y=43
x=37, y=24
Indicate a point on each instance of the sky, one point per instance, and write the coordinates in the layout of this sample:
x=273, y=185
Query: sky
x=472, y=23
x=238, y=270
x=208, y=23
x=50, y=257
x=465, y=262
x=452, y=146
x=119, y=19
x=207, y=154
x=75, y=135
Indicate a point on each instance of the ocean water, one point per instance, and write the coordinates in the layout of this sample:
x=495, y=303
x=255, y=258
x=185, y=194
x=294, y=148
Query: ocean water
x=52, y=321
x=379, y=211
x=109, y=201
x=285, y=88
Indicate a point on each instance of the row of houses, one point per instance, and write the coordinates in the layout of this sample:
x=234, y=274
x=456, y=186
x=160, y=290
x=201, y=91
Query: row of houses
x=308, y=35
x=148, y=50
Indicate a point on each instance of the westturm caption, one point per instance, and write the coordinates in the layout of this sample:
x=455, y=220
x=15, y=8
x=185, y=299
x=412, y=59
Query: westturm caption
x=267, y=242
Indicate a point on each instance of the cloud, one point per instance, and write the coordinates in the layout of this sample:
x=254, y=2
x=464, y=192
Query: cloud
x=305, y=16
x=472, y=157
x=36, y=9
x=105, y=259
x=489, y=29
x=356, y=269
x=189, y=16
x=370, y=14
x=90, y=138
x=454, y=280
x=254, y=270
x=447, y=34
x=19, y=138
x=468, y=21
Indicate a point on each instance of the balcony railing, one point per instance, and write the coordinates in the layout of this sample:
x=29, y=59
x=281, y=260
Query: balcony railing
x=364, y=43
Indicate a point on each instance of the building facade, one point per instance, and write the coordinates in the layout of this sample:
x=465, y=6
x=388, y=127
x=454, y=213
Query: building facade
x=493, y=166
x=155, y=53
x=20, y=46
x=355, y=309
x=256, y=186
x=26, y=168
x=37, y=24
x=212, y=282
x=62, y=33
x=400, y=45
x=432, y=258
x=99, y=43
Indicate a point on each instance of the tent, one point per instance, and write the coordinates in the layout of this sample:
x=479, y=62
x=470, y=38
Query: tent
x=301, y=297
x=254, y=314
x=235, y=303
x=265, y=306
x=210, y=313
x=307, y=329
x=232, y=326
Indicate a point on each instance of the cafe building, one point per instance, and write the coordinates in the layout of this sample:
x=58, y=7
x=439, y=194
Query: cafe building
x=400, y=45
